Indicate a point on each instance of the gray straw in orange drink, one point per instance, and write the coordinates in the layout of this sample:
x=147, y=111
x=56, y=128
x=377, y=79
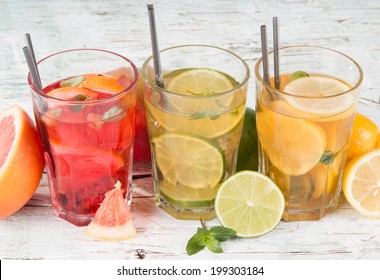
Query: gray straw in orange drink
x=32, y=68
x=276, y=57
x=155, y=50
x=264, y=51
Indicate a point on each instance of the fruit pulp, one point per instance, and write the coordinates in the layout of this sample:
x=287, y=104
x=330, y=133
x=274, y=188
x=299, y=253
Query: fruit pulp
x=89, y=147
x=303, y=145
x=211, y=123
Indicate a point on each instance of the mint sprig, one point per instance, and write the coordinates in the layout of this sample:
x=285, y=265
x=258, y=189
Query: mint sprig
x=209, y=238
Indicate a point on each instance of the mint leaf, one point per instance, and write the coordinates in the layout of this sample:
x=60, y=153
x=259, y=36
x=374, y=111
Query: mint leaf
x=299, y=74
x=72, y=82
x=114, y=114
x=194, y=244
x=328, y=157
x=209, y=238
x=213, y=245
x=78, y=97
x=222, y=233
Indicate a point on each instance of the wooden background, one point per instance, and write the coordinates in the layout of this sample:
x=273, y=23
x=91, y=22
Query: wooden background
x=352, y=27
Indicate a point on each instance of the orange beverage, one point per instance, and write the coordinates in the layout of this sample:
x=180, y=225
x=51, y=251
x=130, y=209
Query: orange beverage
x=86, y=122
x=304, y=128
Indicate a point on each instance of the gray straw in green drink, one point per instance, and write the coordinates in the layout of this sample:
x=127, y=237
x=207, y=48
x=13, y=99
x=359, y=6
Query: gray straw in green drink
x=155, y=50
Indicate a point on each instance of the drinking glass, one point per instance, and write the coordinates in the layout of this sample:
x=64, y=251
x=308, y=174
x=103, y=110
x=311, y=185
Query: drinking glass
x=86, y=119
x=194, y=124
x=304, y=126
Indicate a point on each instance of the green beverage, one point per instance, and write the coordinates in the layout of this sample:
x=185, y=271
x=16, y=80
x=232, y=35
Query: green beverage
x=195, y=126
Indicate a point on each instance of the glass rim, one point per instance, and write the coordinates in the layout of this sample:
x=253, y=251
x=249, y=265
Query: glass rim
x=152, y=84
x=87, y=102
x=269, y=88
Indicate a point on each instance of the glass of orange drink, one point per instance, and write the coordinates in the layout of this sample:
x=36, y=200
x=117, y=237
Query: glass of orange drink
x=86, y=118
x=304, y=126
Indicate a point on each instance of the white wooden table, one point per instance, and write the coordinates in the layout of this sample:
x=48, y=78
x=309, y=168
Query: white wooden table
x=351, y=27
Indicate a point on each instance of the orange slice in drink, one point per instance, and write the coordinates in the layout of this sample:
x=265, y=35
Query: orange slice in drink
x=293, y=145
x=73, y=94
x=102, y=83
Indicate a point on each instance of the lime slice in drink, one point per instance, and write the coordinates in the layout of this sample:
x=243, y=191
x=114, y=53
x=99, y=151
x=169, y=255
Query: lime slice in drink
x=198, y=108
x=249, y=203
x=209, y=126
x=200, y=82
x=320, y=95
x=190, y=161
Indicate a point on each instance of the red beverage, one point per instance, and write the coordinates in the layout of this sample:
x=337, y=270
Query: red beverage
x=87, y=125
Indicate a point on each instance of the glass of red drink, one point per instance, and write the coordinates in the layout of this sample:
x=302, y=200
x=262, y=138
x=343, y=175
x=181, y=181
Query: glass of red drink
x=86, y=119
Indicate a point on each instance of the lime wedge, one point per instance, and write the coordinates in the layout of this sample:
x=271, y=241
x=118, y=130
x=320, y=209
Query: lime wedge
x=319, y=92
x=200, y=82
x=191, y=161
x=249, y=203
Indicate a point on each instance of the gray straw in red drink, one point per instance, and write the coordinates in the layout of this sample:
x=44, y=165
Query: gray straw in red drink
x=155, y=50
x=28, y=41
x=32, y=68
x=276, y=57
x=264, y=51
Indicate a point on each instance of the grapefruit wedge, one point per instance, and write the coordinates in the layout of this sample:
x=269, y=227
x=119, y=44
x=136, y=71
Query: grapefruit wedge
x=21, y=160
x=113, y=220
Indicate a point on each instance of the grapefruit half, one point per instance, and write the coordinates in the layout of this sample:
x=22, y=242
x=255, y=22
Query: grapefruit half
x=21, y=160
x=113, y=220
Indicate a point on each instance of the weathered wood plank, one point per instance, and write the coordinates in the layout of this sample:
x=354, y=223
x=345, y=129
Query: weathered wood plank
x=122, y=26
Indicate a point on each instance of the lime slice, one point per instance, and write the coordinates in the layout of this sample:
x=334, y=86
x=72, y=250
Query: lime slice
x=201, y=82
x=315, y=88
x=191, y=161
x=195, y=110
x=189, y=203
x=249, y=203
x=212, y=126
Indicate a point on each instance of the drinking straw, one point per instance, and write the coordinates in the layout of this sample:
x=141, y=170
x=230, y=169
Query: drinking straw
x=28, y=41
x=276, y=57
x=155, y=50
x=264, y=50
x=32, y=68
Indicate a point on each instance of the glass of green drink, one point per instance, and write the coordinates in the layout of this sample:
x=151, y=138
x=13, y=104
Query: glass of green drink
x=194, y=124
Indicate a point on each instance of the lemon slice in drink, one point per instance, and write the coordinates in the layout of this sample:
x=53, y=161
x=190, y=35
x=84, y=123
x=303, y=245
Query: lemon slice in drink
x=250, y=203
x=319, y=95
x=200, y=82
x=189, y=160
